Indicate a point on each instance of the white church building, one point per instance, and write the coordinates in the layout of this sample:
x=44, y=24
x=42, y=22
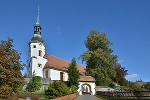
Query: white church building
x=51, y=67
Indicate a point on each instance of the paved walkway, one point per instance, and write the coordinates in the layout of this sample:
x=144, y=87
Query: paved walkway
x=87, y=97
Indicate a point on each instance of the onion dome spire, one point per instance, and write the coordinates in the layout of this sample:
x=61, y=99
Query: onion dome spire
x=37, y=31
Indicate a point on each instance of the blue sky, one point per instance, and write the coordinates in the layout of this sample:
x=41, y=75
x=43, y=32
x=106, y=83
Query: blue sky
x=66, y=23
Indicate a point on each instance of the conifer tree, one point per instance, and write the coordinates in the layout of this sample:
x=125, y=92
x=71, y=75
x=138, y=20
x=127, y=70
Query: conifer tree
x=10, y=69
x=73, y=74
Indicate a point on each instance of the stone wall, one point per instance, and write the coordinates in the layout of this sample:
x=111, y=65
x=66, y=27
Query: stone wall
x=45, y=83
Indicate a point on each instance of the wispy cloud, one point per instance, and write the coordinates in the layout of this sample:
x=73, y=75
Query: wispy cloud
x=132, y=76
x=120, y=61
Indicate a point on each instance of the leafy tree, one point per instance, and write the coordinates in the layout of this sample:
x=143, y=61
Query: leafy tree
x=57, y=89
x=147, y=86
x=10, y=68
x=121, y=72
x=133, y=87
x=73, y=74
x=35, y=84
x=99, y=58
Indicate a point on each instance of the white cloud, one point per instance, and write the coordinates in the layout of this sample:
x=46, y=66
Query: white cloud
x=132, y=76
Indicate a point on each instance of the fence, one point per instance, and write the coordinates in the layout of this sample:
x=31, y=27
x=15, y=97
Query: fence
x=125, y=95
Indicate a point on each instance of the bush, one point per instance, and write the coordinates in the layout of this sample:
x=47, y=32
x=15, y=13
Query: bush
x=34, y=84
x=74, y=89
x=57, y=89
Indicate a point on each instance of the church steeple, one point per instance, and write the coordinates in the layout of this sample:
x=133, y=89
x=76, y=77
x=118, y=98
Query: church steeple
x=37, y=27
x=37, y=30
x=38, y=16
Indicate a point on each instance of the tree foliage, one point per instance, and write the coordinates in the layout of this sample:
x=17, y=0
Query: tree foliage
x=147, y=86
x=10, y=68
x=34, y=84
x=121, y=72
x=132, y=87
x=99, y=58
x=57, y=89
x=73, y=74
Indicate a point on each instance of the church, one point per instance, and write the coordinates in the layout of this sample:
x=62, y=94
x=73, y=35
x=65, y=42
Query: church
x=52, y=68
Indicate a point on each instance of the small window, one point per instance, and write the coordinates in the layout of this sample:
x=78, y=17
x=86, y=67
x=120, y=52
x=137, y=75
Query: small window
x=40, y=53
x=34, y=46
x=46, y=73
x=40, y=65
x=29, y=73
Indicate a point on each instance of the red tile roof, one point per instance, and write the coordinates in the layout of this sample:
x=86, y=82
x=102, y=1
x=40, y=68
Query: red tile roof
x=140, y=83
x=61, y=64
x=86, y=79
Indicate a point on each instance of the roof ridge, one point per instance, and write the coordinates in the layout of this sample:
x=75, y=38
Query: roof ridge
x=64, y=59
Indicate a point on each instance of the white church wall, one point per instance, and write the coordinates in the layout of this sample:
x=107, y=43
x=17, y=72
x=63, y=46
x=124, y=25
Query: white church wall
x=92, y=84
x=54, y=74
x=65, y=76
x=33, y=51
x=44, y=73
x=38, y=62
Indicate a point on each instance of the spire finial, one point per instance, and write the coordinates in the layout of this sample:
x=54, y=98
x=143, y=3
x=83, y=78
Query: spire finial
x=38, y=15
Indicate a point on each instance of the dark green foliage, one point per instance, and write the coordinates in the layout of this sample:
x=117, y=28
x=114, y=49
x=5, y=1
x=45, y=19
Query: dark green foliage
x=73, y=89
x=57, y=89
x=73, y=74
x=34, y=84
x=10, y=69
x=112, y=85
x=133, y=87
x=99, y=57
x=147, y=86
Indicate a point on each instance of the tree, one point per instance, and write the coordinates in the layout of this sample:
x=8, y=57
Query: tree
x=57, y=89
x=121, y=72
x=10, y=68
x=34, y=84
x=147, y=86
x=73, y=74
x=99, y=58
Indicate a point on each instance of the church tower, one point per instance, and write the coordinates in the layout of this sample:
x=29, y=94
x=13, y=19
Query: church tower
x=36, y=61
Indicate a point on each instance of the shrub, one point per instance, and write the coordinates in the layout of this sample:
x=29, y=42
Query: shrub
x=57, y=89
x=74, y=89
x=34, y=84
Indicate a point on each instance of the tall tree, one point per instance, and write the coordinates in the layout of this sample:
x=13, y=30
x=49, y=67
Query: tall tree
x=73, y=74
x=99, y=58
x=10, y=68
